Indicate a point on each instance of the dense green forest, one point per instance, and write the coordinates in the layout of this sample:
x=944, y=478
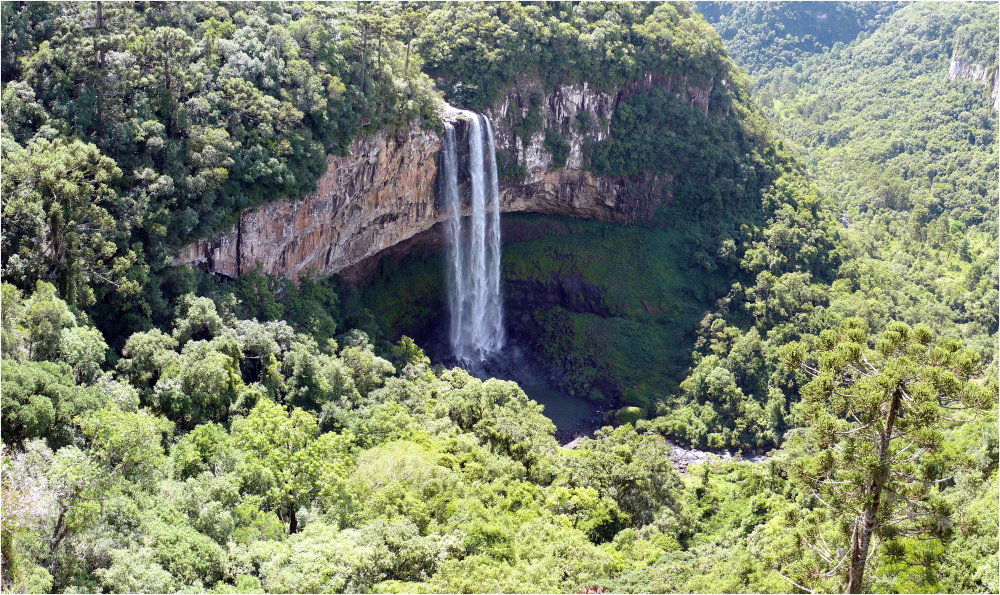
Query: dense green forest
x=820, y=290
x=761, y=36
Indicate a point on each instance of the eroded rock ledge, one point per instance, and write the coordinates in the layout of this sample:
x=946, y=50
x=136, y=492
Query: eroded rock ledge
x=989, y=77
x=385, y=191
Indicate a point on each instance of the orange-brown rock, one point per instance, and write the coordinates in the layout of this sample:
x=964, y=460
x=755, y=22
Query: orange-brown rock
x=363, y=203
x=384, y=191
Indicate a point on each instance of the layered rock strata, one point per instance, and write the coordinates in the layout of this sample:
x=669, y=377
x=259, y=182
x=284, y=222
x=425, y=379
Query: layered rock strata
x=384, y=191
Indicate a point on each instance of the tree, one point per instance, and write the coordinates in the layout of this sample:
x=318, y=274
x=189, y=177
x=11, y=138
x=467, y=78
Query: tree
x=62, y=217
x=165, y=53
x=322, y=559
x=875, y=410
x=207, y=447
x=409, y=23
x=11, y=312
x=190, y=557
x=41, y=399
x=591, y=513
x=128, y=445
x=33, y=327
x=144, y=358
x=513, y=424
x=402, y=479
x=76, y=482
x=83, y=348
x=406, y=352
x=285, y=461
x=27, y=504
x=197, y=319
x=368, y=369
x=201, y=384
x=307, y=385
x=632, y=469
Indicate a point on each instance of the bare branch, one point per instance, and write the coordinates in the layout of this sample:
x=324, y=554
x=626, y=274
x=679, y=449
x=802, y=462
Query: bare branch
x=821, y=554
x=857, y=429
x=833, y=570
x=793, y=582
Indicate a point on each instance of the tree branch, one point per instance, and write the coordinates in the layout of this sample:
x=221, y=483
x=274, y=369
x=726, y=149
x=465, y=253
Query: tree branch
x=798, y=586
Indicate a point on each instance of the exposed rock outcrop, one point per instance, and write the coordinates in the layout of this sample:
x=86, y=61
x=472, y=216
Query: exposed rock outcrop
x=990, y=77
x=379, y=195
x=384, y=191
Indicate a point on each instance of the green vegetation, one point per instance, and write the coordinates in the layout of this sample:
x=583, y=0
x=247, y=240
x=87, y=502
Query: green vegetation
x=174, y=118
x=294, y=467
x=716, y=161
x=762, y=36
x=478, y=50
x=911, y=158
x=905, y=235
x=874, y=411
x=827, y=301
x=557, y=147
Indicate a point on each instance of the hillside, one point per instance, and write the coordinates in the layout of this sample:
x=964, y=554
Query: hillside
x=762, y=36
x=230, y=238
x=905, y=138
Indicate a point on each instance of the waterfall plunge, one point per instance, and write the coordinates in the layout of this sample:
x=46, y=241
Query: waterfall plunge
x=475, y=306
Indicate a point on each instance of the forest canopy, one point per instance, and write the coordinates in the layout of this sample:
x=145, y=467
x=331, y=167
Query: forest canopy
x=799, y=344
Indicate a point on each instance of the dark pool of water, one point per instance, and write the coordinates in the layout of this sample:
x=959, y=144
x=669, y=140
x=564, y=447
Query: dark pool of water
x=572, y=416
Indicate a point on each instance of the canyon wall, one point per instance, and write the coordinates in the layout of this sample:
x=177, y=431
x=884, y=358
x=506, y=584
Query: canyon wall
x=990, y=77
x=384, y=191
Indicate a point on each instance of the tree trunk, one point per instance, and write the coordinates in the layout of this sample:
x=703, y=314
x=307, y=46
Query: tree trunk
x=861, y=536
x=859, y=551
x=364, y=59
x=292, y=522
x=99, y=81
x=58, y=532
x=60, y=268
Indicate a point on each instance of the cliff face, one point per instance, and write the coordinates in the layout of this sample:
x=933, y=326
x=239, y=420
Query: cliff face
x=384, y=191
x=379, y=195
x=959, y=68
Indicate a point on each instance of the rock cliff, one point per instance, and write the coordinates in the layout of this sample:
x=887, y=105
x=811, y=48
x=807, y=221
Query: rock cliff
x=379, y=195
x=384, y=191
x=990, y=77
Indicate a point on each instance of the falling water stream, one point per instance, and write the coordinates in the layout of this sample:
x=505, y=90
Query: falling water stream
x=476, y=334
x=476, y=329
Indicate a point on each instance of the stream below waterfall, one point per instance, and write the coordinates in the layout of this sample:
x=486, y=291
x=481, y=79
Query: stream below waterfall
x=573, y=417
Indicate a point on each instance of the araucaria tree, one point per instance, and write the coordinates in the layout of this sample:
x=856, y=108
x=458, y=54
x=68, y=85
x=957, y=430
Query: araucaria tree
x=62, y=217
x=874, y=411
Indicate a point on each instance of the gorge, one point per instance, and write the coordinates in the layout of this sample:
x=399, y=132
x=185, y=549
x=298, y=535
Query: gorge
x=382, y=192
x=501, y=297
x=562, y=154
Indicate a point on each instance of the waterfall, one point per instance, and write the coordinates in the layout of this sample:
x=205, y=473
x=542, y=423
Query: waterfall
x=494, y=305
x=453, y=202
x=473, y=274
